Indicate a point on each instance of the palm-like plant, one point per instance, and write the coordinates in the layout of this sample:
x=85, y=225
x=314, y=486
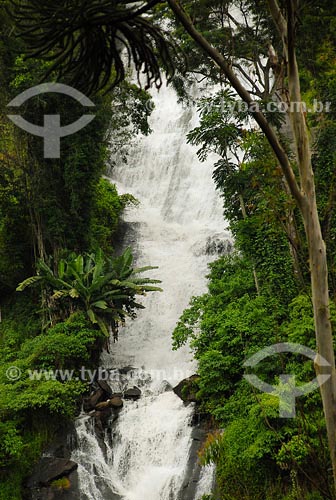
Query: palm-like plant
x=105, y=288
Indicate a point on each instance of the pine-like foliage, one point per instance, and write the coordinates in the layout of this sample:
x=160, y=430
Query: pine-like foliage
x=94, y=41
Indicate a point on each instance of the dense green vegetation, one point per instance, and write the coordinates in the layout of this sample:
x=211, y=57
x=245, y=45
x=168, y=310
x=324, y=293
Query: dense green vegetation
x=257, y=454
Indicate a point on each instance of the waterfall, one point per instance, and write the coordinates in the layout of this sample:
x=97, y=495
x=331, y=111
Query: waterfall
x=180, y=228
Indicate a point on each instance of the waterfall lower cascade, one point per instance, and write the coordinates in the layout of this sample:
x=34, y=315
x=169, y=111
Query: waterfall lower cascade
x=180, y=228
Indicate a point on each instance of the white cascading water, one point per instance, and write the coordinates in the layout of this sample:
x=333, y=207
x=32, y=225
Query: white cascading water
x=180, y=228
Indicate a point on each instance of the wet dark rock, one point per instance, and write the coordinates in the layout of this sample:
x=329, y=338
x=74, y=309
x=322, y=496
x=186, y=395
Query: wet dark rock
x=117, y=395
x=126, y=369
x=193, y=472
x=218, y=246
x=50, y=469
x=96, y=397
x=115, y=402
x=103, y=405
x=54, y=464
x=133, y=393
x=187, y=389
x=106, y=388
x=105, y=491
x=64, y=441
x=102, y=416
x=65, y=489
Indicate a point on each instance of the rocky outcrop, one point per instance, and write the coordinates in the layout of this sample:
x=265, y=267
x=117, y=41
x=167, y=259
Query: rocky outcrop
x=101, y=393
x=193, y=471
x=105, y=387
x=95, y=397
x=187, y=389
x=53, y=479
x=115, y=402
x=132, y=393
x=51, y=469
x=103, y=405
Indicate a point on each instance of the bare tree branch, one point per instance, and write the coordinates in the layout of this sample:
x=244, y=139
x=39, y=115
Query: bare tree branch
x=184, y=18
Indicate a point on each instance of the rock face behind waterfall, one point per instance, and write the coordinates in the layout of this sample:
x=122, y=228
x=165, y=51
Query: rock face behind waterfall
x=187, y=389
x=55, y=477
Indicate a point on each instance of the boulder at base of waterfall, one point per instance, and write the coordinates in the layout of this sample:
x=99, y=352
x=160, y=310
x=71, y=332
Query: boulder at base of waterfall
x=117, y=395
x=101, y=418
x=115, y=402
x=133, y=393
x=187, y=389
x=126, y=369
x=106, y=388
x=94, y=398
x=50, y=470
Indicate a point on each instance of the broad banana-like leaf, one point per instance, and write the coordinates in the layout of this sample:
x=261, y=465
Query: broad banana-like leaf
x=58, y=294
x=98, y=269
x=101, y=304
x=138, y=306
x=145, y=281
x=28, y=282
x=113, y=295
x=151, y=288
x=79, y=264
x=89, y=262
x=114, y=282
x=92, y=316
x=143, y=269
x=103, y=327
x=100, y=282
x=117, y=313
x=61, y=268
x=44, y=267
x=128, y=284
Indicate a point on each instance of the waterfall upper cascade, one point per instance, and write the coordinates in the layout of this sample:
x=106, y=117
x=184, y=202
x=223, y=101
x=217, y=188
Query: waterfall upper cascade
x=180, y=228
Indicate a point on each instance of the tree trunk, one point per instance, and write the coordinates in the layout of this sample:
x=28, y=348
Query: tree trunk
x=323, y=329
x=316, y=245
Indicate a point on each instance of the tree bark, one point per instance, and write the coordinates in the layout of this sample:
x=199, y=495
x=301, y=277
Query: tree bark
x=316, y=245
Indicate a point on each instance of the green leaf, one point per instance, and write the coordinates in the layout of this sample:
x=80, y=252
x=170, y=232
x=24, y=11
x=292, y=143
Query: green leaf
x=61, y=268
x=101, y=304
x=92, y=316
x=103, y=327
x=28, y=282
